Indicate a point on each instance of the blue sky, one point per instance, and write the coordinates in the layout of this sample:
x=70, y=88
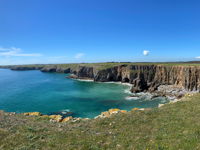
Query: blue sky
x=75, y=31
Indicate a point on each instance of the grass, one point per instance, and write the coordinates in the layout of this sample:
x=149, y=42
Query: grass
x=173, y=126
x=100, y=66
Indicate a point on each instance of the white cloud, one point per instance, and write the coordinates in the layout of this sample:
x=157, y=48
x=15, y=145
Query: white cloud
x=145, y=52
x=79, y=55
x=197, y=57
x=9, y=49
x=15, y=52
x=16, y=49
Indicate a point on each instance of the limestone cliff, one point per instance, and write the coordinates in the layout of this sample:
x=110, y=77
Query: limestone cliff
x=25, y=68
x=143, y=77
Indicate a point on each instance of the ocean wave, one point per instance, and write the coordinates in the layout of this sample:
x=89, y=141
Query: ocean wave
x=128, y=84
x=132, y=98
x=111, y=82
x=127, y=91
x=86, y=80
x=65, y=111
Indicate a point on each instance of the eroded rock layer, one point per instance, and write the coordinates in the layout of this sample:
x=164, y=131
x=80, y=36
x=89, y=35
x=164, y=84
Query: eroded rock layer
x=143, y=77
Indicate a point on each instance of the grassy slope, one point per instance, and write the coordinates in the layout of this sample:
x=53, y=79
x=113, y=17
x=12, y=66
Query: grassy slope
x=173, y=126
x=100, y=66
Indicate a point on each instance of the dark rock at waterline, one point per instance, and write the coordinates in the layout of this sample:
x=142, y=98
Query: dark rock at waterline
x=154, y=96
x=25, y=68
x=55, y=68
x=133, y=96
x=149, y=78
x=72, y=76
x=179, y=96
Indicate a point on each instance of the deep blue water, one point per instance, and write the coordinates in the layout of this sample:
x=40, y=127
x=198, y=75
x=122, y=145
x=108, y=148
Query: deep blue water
x=53, y=93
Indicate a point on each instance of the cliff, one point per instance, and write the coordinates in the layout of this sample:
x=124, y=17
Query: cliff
x=143, y=77
x=25, y=68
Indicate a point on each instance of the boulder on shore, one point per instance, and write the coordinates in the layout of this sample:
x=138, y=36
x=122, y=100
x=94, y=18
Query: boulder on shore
x=72, y=76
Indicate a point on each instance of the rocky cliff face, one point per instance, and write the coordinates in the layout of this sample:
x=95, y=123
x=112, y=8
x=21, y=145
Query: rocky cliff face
x=55, y=68
x=143, y=77
x=25, y=68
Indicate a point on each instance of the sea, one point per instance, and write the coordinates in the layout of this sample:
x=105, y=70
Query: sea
x=53, y=93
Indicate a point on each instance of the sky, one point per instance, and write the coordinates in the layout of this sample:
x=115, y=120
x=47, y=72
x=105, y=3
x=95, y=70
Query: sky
x=76, y=31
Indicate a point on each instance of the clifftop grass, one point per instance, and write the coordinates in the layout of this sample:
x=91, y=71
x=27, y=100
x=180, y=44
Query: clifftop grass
x=100, y=66
x=173, y=126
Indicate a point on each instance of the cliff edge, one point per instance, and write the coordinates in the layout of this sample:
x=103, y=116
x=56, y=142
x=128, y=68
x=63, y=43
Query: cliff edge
x=142, y=77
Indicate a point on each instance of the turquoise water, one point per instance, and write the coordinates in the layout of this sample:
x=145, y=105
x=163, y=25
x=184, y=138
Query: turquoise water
x=53, y=93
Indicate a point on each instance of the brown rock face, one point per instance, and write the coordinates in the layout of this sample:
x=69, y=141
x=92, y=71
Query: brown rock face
x=143, y=77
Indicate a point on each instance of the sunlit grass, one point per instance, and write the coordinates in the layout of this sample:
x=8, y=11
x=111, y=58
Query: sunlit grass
x=173, y=126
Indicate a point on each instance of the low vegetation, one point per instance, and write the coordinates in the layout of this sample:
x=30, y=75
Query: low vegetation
x=173, y=126
x=100, y=66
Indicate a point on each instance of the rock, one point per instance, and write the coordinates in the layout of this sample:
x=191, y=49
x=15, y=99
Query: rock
x=143, y=77
x=179, y=96
x=99, y=116
x=135, y=108
x=105, y=114
x=67, y=119
x=53, y=121
x=62, y=113
x=160, y=105
x=72, y=76
x=26, y=68
x=133, y=96
x=2, y=111
x=114, y=111
x=26, y=114
x=52, y=116
x=45, y=116
x=123, y=111
x=35, y=114
x=154, y=96
x=58, y=118
x=79, y=119
x=12, y=113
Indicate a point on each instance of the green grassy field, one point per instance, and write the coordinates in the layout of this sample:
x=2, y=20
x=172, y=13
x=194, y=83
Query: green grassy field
x=173, y=126
x=100, y=66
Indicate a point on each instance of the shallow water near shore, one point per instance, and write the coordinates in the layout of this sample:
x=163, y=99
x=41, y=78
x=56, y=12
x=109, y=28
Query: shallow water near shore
x=53, y=93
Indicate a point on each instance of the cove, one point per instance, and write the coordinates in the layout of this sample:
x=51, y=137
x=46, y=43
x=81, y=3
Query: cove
x=53, y=93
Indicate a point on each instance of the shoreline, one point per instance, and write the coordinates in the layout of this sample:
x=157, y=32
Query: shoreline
x=155, y=93
x=109, y=113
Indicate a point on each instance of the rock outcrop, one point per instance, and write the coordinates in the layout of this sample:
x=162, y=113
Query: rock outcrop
x=55, y=68
x=25, y=68
x=142, y=77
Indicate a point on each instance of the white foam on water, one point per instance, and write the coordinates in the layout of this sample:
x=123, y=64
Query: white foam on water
x=84, y=80
x=127, y=91
x=132, y=98
x=65, y=111
x=111, y=82
x=171, y=97
x=128, y=84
